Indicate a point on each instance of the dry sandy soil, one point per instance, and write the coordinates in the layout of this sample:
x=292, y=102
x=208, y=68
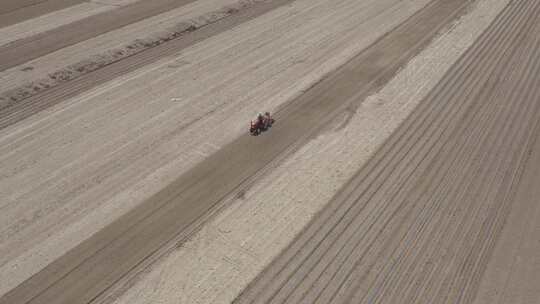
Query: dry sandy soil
x=403, y=167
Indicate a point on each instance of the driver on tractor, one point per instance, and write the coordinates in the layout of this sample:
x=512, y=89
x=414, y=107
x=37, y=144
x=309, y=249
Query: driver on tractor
x=260, y=120
x=267, y=119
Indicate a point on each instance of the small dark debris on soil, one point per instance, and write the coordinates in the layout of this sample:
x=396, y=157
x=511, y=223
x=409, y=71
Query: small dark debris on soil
x=241, y=194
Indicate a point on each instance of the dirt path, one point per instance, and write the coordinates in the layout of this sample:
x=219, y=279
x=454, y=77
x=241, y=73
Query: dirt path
x=84, y=272
x=419, y=222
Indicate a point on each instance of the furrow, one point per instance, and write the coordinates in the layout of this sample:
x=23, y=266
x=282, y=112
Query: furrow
x=333, y=280
x=462, y=164
x=489, y=218
x=425, y=250
x=438, y=246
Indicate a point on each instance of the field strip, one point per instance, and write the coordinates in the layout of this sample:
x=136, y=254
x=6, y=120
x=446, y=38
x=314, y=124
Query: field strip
x=69, y=62
x=56, y=19
x=11, y=13
x=136, y=139
x=23, y=50
x=117, y=53
x=15, y=5
x=231, y=250
x=417, y=223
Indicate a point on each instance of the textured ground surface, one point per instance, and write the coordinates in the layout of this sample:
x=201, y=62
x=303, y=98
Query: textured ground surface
x=406, y=173
x=419, y=222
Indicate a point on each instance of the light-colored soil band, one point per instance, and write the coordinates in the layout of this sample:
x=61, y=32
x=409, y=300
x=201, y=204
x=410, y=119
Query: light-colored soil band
x=15, y=11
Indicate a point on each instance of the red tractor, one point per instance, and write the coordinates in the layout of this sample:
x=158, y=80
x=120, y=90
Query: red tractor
x=261, y=124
